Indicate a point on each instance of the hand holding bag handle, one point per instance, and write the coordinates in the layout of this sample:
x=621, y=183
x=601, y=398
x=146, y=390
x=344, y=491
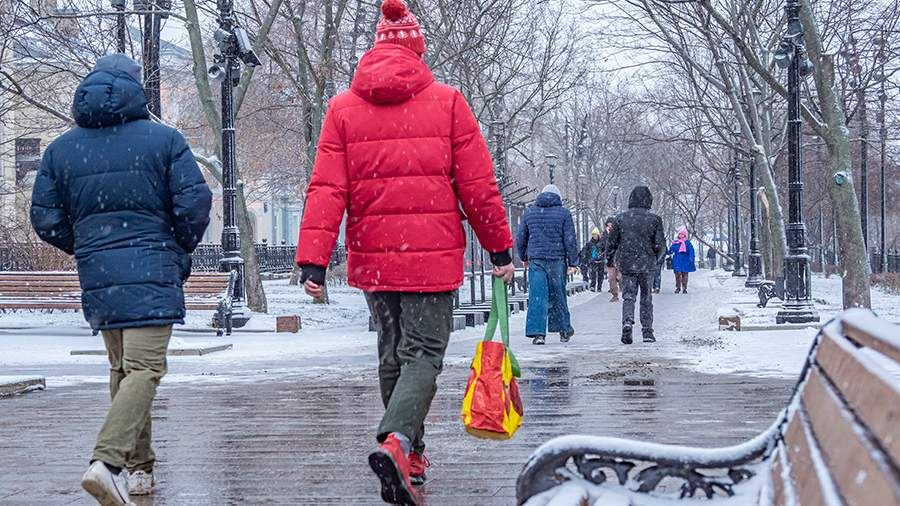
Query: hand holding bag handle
x=500, y=315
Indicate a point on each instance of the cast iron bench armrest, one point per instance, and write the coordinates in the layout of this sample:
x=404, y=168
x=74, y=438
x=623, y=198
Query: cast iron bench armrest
x=768, y=290
x=585, y=458
x=222, y=319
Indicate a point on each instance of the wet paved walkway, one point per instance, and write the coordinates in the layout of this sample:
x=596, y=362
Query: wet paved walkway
x=298, y=439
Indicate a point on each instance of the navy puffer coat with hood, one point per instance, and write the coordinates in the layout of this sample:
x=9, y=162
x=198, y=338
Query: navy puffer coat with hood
x=548, y=231
x=125, y=196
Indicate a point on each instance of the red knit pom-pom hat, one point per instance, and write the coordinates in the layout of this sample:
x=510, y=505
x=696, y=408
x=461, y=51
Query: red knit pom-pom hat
x=399, y=26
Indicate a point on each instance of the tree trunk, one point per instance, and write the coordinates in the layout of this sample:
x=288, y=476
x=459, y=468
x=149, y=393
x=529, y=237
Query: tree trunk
x=854, y=265
x=295, y=276
x=256, y=295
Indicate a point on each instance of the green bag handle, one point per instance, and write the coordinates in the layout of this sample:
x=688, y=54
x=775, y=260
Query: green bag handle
x=500, y=316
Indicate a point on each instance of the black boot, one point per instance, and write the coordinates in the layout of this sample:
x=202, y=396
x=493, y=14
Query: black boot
x=648, y=335
x=565, y=336
x=626, y=334
x=537, y=340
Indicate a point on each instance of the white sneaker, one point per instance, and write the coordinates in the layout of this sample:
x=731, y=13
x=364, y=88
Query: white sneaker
x=140, y=483
x=109, y=489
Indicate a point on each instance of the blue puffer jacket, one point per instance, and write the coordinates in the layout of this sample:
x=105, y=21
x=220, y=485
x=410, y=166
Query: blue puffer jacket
x=682, y=262
x=125, y=196
x=548, y=232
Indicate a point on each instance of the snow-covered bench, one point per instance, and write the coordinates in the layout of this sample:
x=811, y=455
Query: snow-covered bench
x=62, y=290
x=838, y=442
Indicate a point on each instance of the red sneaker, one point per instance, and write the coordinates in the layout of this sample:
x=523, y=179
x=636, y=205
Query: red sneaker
x=392, y=467
x=418, y=463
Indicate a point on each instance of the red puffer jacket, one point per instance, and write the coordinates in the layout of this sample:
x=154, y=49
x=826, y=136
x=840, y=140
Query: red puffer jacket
x=400, y=153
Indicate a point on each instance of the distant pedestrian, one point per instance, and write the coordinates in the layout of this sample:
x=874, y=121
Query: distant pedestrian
x=125, y=196
x=403, y=156
x=546, y=241
x=711, y=258
x=593, y=257
x=637, y=242
x=657, y=278
x=584, y=263
x=612, y=272
x=682, y=252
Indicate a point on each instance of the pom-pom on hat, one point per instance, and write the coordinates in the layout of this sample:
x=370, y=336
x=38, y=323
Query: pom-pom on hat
x=399, y=26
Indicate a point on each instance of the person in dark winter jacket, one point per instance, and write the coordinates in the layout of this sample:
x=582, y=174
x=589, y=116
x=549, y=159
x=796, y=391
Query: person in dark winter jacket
x=125, y=196
x=593, y=260
x=636, y=244
x=546, y=241
x=657, y=277
x=682, y=252
x=711, y=258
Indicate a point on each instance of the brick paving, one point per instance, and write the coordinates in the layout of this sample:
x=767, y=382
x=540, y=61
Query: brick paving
x=296, y=439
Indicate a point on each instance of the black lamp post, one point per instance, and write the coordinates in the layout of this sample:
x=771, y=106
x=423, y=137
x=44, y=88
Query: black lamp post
x=582, y=185
x=551, y=164
x=152, y=27
x=736, y=211
x=754, y=258
x=119, y=5
x=499, y=131
x=882, y=134
x=791, y=55
x=234, y=47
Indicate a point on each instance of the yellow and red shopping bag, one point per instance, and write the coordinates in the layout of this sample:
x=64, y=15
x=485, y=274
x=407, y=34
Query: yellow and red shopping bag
x=492, y=408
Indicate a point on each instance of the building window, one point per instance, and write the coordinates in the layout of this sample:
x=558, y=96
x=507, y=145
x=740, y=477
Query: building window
x=28, y=157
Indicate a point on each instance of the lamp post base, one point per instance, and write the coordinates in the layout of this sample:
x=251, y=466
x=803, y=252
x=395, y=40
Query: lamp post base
x=754, y=271
x=797, y=313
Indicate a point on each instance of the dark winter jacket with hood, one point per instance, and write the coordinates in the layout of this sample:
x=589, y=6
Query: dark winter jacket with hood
x=548, y=231
x=637, y=242
x=594, y=251
x=401, y=154
x=125, y=196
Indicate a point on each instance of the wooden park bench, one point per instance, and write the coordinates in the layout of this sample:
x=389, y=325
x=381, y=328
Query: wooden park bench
x=837, y=443
x=49, y=291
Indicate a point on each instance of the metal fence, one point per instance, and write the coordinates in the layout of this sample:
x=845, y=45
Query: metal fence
x=272, y=259
x=877, y=261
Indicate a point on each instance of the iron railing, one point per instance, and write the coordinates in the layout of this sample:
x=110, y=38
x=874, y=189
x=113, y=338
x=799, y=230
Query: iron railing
x=876, y=260
x=272, y=259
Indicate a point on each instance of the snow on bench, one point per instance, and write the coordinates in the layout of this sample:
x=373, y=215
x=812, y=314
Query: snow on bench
x=837, y=442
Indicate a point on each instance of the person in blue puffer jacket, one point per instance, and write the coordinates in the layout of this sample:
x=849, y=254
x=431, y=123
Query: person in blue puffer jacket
x=683, y=262
x=547, y=244
x=125, y=196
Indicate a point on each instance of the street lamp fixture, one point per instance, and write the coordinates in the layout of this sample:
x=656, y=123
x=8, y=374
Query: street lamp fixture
x=551, y=164
x=798, y=307
x=234, y=47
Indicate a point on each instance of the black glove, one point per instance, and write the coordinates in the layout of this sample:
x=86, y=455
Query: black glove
x=313, y=273
x=502, y=258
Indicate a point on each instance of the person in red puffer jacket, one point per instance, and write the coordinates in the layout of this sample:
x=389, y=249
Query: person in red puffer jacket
x=403, y=156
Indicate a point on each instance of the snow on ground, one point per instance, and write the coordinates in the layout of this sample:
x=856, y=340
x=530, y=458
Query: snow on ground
x=771, y=351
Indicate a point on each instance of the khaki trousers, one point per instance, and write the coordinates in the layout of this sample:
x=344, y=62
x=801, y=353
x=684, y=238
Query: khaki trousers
x=137, y=361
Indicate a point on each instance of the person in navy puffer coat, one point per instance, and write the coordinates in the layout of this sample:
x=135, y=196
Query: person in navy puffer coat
x=546, y=241
x=125, y=196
